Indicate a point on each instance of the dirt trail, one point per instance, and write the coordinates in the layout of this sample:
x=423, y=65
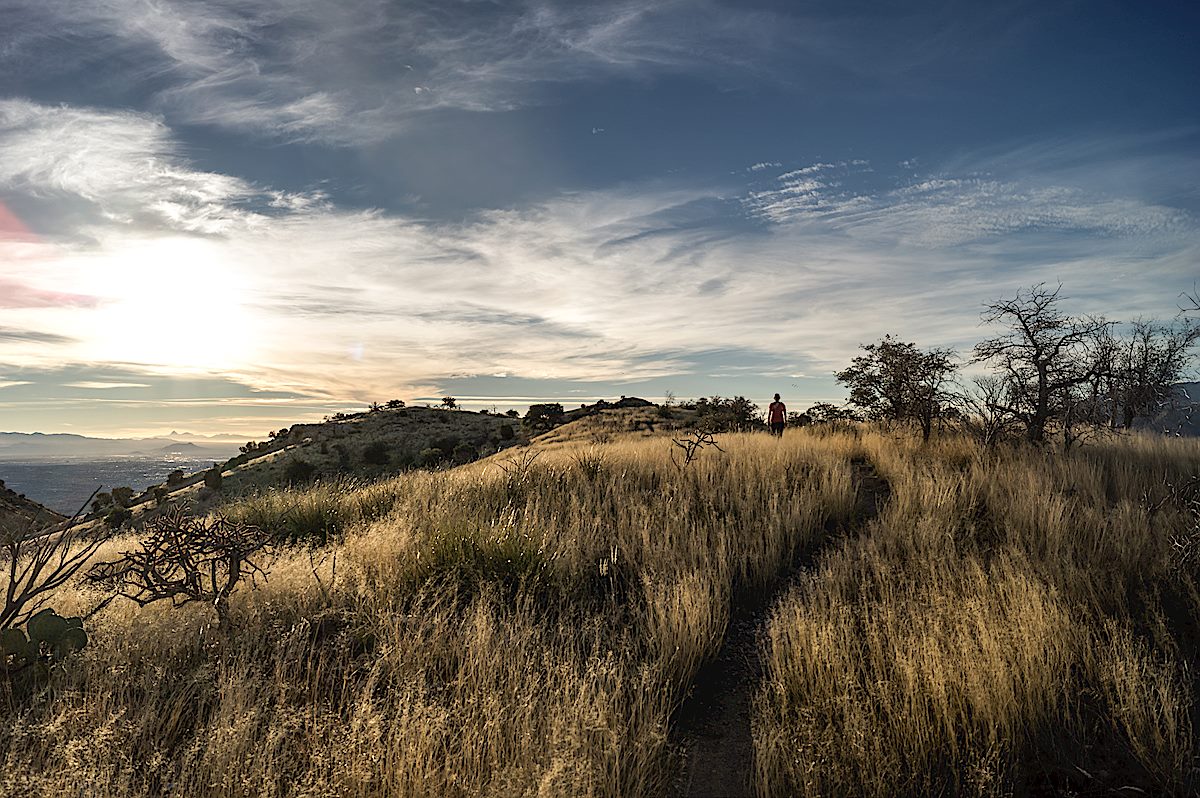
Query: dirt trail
x=713, y=724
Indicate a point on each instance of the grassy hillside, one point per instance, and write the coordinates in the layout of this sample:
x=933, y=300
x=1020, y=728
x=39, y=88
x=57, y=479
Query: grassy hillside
x=357, y=447
x=19, y=514
x=1008, y=621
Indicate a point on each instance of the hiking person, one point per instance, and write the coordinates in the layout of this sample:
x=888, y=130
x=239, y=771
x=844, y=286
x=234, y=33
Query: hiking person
x=777, y=416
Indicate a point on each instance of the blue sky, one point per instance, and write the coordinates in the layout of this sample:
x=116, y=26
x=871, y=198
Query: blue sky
x=225, y=217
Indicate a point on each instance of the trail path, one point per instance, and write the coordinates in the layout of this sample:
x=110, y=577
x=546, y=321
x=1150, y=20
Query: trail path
x=713, y=724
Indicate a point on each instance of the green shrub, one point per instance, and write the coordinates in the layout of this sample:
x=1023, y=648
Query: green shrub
x=27, y=658
x=377, y=454
x=543, y=417
x=464, y=453
x=430, y=457
x=122, y=497
x=117, y=517
x=101, y=501
x=721, y=414
x=212, y=478
x=299, y=472
x=447, y=443
x=472, y=558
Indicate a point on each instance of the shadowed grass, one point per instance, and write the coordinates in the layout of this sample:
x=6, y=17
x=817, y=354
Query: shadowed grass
x=1014, y=619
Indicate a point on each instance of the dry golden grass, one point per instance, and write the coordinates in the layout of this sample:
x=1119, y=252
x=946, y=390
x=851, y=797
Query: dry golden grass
x=1012, y=620
x=489, y=632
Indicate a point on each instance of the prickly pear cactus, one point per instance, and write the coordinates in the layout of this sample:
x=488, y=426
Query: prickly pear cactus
x=16, y=649
x=28, y=657
x=55, y=636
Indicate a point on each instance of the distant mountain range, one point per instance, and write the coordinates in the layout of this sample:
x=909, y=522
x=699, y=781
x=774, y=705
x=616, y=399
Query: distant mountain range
x=38, y=445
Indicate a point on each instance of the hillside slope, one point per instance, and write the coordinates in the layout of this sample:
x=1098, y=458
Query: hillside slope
x=19, y=514
x=362, y=446
x=1005, y=621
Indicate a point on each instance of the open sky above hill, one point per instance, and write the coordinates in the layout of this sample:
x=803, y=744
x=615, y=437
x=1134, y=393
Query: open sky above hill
x=228, y=216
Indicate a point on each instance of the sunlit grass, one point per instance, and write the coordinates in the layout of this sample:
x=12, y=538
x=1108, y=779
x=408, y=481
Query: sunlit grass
x=527, y=626
x=487, y=633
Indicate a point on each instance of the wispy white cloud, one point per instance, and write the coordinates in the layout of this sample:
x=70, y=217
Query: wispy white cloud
x=120, y=165
x=17, y=335
x=353, y=73
x=953, y=209
x=618, y=285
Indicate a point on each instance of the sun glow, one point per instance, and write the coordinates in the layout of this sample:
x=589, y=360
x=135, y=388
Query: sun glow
x=175, y=303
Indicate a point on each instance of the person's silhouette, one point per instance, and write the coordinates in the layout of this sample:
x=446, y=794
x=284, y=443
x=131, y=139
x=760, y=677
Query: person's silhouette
x=777, y=416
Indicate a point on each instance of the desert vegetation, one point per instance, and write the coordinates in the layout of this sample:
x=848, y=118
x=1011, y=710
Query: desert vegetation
x=1012, y=619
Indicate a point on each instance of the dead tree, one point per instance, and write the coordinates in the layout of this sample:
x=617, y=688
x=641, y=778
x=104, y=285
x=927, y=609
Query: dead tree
x=1190, y=302
x=1044, y=357
x=1149, y=363
x=692, y=446
x=39, y=562
x=184, y=560
x=983, y=410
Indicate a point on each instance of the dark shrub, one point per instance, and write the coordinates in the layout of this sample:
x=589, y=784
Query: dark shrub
x=431, y=456
x=720, y=414
x=175, y=477
x=506, y=432
x=212, y=478
x=101, y=501
x=464, y=453
x=543, y=417
x=447, y=443
x=299, y=472
x=377, y=454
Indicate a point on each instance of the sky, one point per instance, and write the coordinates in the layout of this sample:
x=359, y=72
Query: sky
x=226, y=217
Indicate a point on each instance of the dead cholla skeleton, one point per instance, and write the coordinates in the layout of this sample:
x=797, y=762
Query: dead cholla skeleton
x=184, y=559
x=692, y=446
x=1184, y=497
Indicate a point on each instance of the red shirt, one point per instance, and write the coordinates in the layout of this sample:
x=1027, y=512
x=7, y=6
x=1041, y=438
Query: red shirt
x=778, y=412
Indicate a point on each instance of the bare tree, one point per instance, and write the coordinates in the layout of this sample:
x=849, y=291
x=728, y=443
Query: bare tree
x=1191, y=302
x=692, y=445
x=184, y=559
x=983, y=408
x=39, y=562
x=1044, y=357
x=1149, y=362
x=896, y=381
